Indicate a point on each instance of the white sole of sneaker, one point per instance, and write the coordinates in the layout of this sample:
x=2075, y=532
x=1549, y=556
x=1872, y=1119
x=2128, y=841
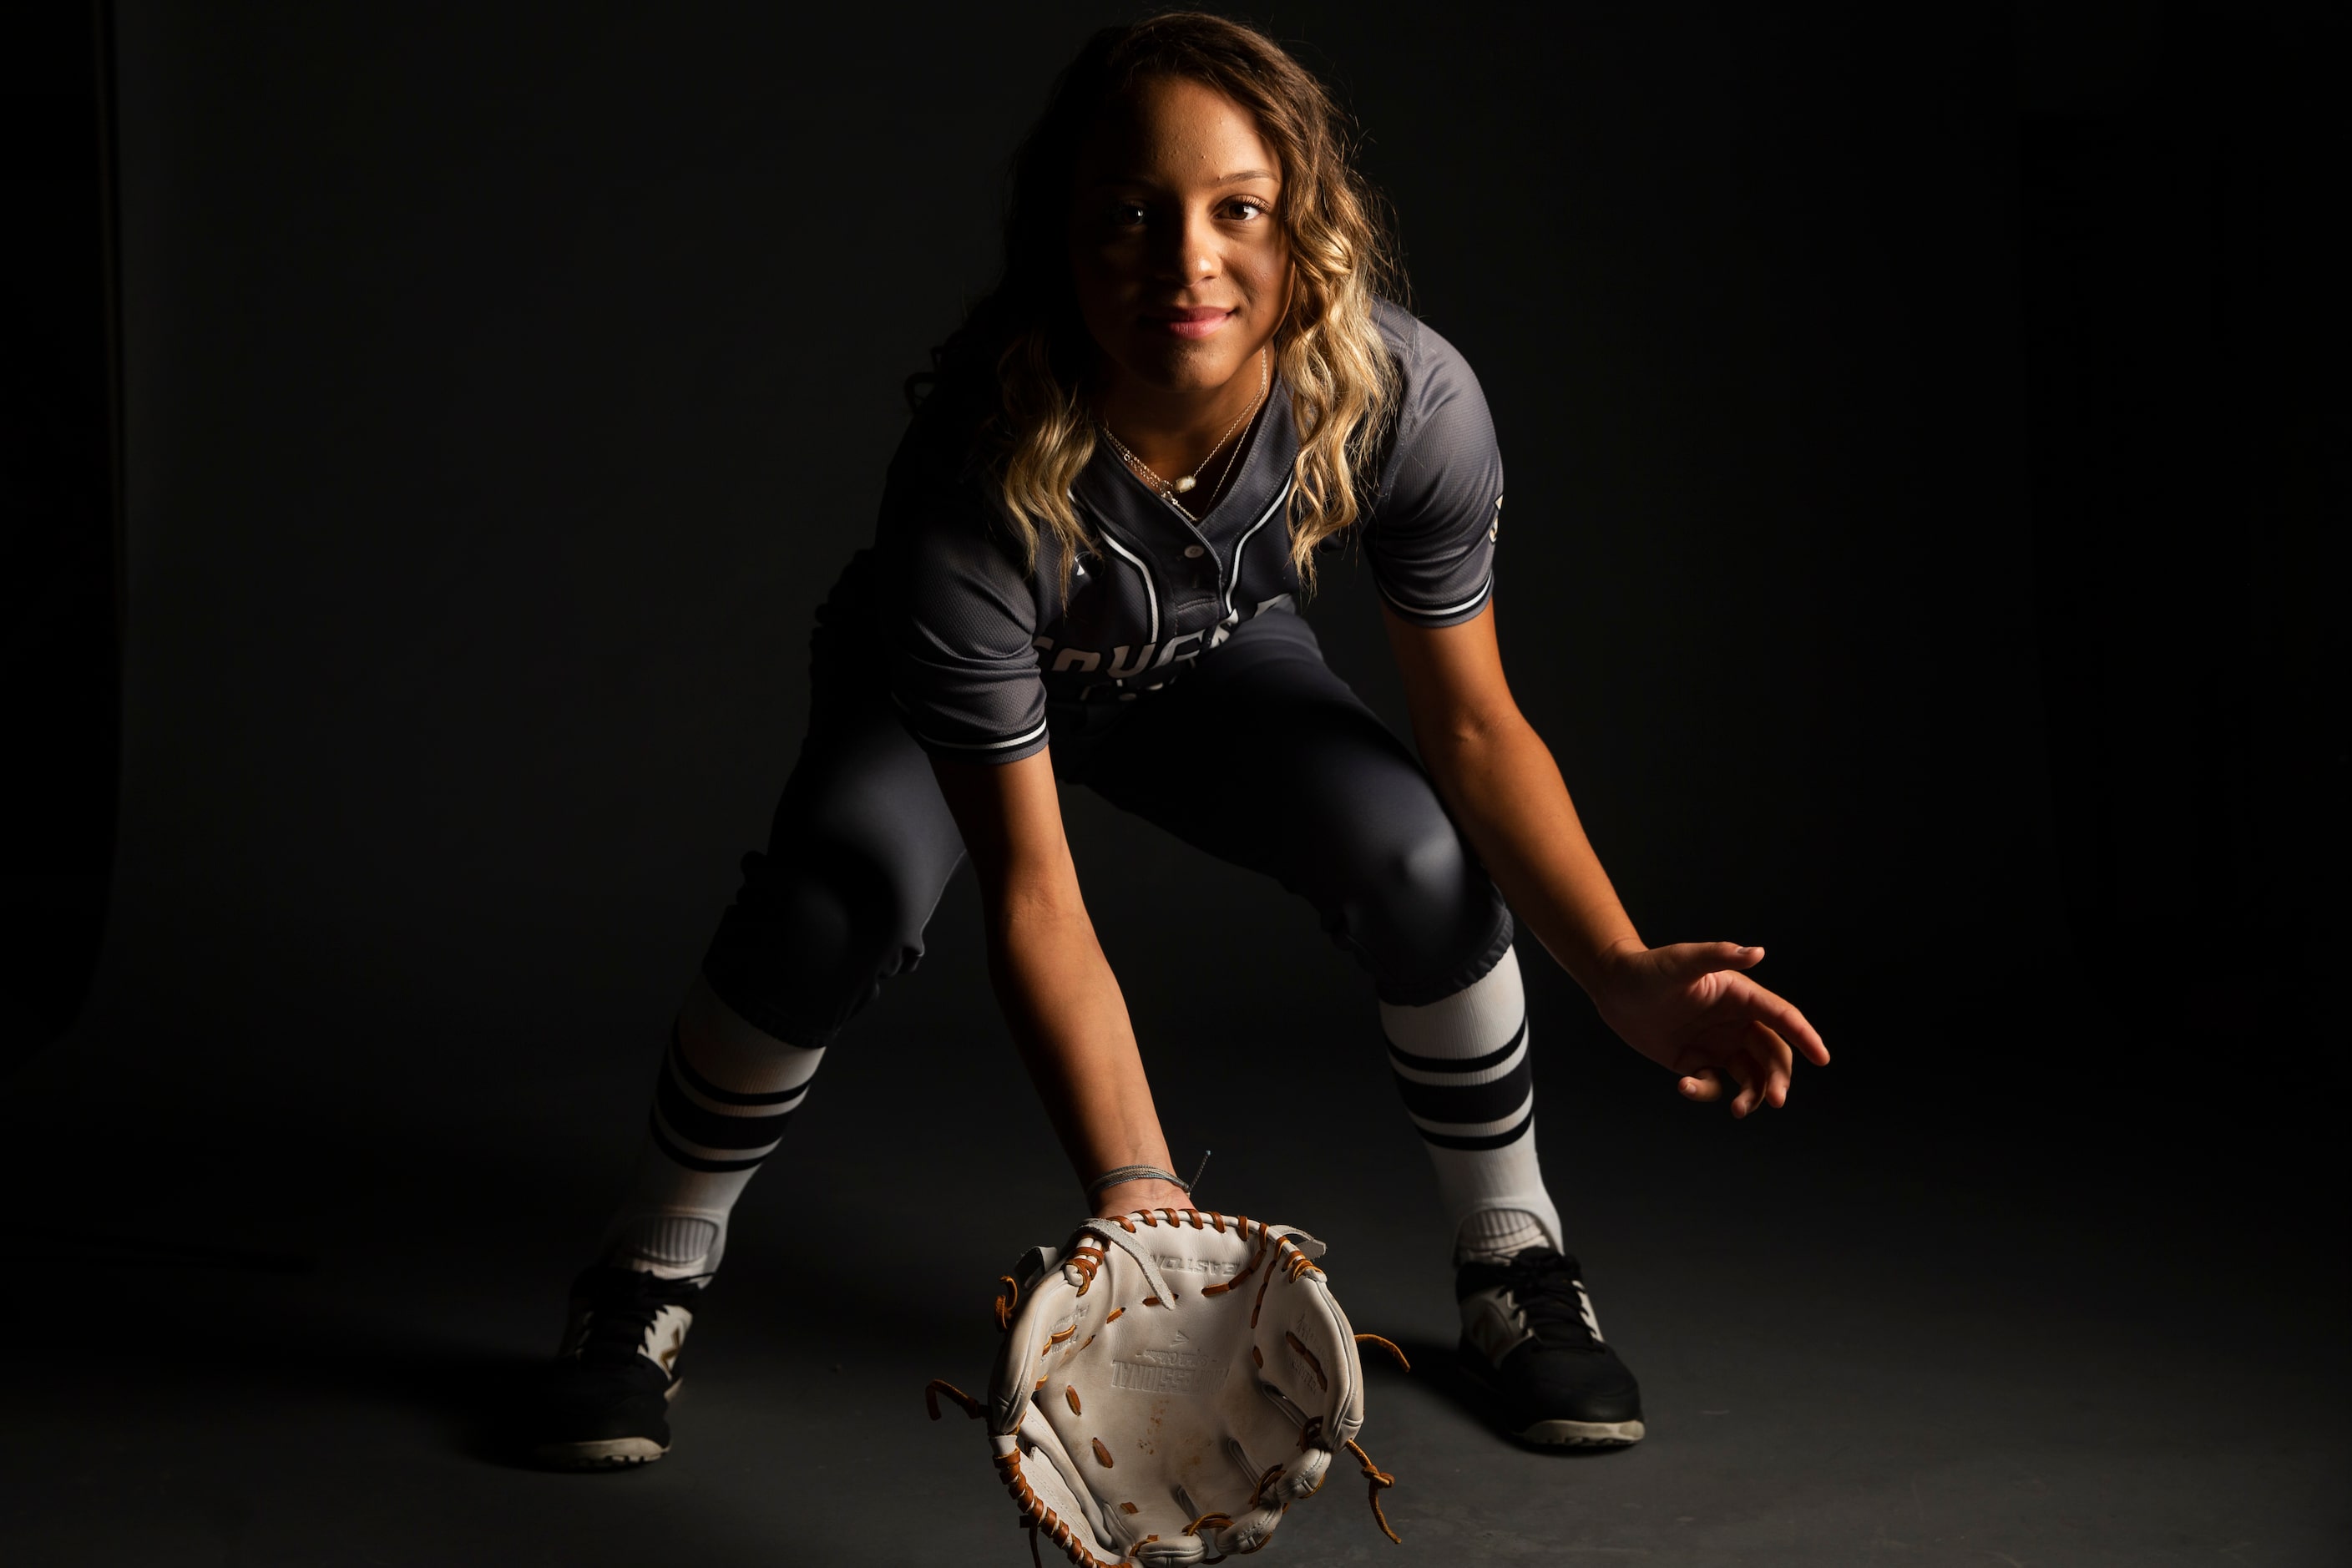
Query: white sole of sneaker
x=1584, y=1434
x=611, y=1454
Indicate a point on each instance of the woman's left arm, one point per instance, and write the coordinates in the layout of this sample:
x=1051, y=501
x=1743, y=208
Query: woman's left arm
x=1687, y=1006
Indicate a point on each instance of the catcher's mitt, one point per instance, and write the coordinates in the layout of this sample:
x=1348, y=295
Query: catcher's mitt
x=1172, y=1381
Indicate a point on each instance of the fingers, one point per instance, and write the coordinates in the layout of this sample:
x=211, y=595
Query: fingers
x=1774, y=1063
x=1764, y=1068
x=1718, y=1083
x=1787, y=1023
x=1706, y=1087
x=1745, y=997
x=1752, y=1091
x=1690, y=960
x=1757, y=1074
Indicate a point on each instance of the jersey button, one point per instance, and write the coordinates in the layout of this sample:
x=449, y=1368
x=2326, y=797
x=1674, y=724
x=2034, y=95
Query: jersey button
x=1193, y=552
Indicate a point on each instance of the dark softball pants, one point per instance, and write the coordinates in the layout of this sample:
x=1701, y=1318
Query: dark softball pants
x=1258, y=754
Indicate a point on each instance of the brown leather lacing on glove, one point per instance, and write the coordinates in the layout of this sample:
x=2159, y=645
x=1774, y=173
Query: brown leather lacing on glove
x=1381, y=1481
x=1298, y=1348
x=1043, y=1520
x=1246, y=1269
x=939, y=1386
x=1381, y=1478
x=1299, y=1265
x=1087, y=1261
x=1036, y=1516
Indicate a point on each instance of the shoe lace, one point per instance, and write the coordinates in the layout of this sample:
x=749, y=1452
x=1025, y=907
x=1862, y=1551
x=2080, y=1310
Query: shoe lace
x=1543, y=1286
x=620, y=1306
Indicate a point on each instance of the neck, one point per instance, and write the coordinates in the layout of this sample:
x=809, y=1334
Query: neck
x=1174, y=432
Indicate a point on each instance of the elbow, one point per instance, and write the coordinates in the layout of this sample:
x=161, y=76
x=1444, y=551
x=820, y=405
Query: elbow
x=1467, y=733
x=1034, y=900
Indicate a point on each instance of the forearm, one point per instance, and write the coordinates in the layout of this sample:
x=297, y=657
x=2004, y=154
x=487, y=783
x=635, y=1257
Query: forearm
x=1505, y=792
x=1070, y=1024
x=1060, y=996
x=1684, y=1006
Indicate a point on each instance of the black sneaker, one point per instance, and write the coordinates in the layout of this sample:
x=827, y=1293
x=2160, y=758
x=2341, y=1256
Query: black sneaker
x=1530, y=1338
x=605, y=1404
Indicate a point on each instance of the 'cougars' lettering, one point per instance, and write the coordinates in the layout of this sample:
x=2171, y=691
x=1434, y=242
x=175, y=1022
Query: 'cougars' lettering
x=1168, y=654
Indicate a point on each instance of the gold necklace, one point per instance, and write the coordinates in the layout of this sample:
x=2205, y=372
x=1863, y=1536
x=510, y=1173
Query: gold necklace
x=1171, y=489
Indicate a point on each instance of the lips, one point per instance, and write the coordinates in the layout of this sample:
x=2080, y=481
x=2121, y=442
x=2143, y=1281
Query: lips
x=1193, y=323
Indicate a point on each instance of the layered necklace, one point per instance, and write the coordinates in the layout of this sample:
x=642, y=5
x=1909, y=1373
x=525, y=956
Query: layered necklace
x=1170, y=489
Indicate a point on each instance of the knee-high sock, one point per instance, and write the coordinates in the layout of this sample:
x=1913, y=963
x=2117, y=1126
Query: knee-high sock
x=724, y=1093
x=1462, y=1064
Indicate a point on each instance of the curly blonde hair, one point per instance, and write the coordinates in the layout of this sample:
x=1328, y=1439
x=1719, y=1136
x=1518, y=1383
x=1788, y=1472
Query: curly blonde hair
x=1036, y=432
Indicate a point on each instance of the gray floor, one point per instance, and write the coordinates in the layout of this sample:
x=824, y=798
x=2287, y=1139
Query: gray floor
x=275, y=1290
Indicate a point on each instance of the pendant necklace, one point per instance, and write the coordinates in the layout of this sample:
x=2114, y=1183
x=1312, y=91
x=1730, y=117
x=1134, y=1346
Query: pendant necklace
x=1170, y=489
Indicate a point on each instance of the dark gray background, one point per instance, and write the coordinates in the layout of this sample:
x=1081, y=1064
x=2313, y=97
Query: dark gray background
x=1911, y=447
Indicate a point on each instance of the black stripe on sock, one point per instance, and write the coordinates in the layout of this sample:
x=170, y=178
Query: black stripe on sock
x=785, y=1098
x=701, y=1125
x=1470, y=1103
x=694, y=1162
x=1485, y=1141
x=1460, y=1064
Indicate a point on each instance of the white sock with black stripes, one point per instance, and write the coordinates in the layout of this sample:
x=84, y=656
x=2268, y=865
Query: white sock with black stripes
x=716, y=1116
x=1462, y=1064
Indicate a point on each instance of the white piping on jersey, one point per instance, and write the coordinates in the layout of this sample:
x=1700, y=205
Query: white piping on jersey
x=1234, y=581
x=1150, y=594
x=1484, y=589
x=971, y=745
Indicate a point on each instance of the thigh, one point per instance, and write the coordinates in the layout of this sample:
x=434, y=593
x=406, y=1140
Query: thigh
x=1264, y=758
x=863, y=789
x=861, y=846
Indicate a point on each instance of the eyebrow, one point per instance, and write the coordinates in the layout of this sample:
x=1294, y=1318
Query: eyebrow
x=1221, y=180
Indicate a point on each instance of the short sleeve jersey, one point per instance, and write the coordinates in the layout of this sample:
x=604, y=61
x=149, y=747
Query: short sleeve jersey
x=980, y=649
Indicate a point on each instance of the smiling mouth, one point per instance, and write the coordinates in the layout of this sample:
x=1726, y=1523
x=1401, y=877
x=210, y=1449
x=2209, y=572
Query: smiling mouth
x=1192, y=323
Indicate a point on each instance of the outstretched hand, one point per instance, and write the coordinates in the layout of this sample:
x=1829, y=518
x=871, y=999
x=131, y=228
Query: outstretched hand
x=1688, y=1008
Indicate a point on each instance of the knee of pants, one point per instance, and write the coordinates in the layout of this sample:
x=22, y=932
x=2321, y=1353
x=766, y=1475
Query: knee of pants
x=809, y=942
x=1422, y=916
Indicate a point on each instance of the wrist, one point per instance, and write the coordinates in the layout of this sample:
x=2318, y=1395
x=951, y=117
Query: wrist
x=1146, y=1192
x=1613, y=969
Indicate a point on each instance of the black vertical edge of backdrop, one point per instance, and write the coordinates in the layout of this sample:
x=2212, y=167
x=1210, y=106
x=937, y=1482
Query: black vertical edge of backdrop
x=60, y=684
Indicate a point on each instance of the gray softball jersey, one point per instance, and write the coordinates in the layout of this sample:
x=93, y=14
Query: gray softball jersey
x=981, y=652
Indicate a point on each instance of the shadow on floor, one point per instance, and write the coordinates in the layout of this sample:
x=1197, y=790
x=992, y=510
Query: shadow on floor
x=1437, y=1369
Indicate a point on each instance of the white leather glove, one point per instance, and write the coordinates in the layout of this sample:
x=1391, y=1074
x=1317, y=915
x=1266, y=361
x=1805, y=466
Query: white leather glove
x=1172, y=1381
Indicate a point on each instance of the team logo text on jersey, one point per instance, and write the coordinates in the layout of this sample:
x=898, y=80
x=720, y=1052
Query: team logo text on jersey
x=1127, y=660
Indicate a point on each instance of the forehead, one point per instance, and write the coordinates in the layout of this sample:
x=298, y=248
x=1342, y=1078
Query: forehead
x=1175, y=131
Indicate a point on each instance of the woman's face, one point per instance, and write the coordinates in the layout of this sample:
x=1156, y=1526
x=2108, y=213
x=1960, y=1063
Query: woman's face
x=1178, y=260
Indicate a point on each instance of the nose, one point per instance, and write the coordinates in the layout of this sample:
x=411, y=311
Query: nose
x=1186, y=251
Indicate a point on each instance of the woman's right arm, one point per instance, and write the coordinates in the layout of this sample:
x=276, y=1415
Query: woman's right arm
x=1068, y=1016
